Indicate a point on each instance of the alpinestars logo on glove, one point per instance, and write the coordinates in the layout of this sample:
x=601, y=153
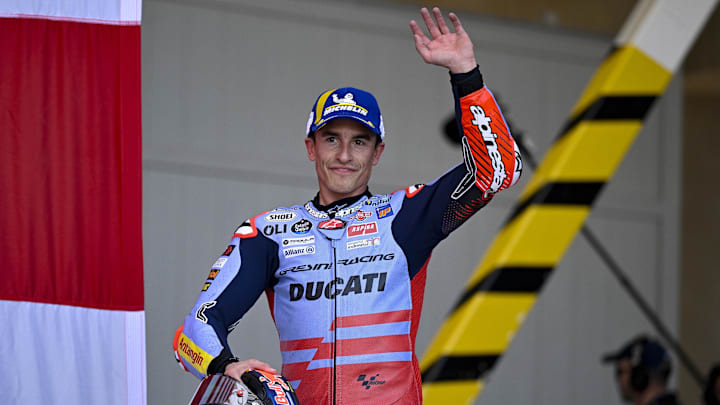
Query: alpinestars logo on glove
x=483, y=124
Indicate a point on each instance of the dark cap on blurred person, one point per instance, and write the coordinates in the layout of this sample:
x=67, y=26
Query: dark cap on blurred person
x=641, y=351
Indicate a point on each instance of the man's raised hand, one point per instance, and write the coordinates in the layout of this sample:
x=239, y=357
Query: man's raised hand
x=453, y=50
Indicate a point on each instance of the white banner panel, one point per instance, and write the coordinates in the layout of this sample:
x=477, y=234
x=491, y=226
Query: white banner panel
x=57, y=354
x=101, y=12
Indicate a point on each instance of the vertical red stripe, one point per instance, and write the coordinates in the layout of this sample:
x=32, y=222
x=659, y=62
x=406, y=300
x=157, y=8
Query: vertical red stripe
x=70, y=163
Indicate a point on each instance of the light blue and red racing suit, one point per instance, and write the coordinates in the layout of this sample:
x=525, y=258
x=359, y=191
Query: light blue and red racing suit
x=345, y=286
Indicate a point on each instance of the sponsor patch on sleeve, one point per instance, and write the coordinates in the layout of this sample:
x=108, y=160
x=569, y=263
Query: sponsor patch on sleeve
x=193, y=354
x=228, y=250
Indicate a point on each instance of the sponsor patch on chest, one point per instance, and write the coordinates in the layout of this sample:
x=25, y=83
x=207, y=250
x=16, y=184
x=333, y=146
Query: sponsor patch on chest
x=299, y=251
x=384, y=211
x=362, y=229
x=298, y=241
x=355, y=244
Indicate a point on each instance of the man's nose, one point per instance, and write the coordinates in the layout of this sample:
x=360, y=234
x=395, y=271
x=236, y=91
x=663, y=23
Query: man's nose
x=344, y=154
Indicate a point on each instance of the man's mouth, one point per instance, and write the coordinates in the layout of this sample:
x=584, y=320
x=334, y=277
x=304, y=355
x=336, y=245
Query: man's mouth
x=343, y=169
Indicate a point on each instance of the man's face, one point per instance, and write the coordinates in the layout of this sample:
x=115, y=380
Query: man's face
x=344, y=153
x=622, y=374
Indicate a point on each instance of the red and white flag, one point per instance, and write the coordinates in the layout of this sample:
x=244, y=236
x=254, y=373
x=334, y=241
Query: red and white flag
x=72, y=322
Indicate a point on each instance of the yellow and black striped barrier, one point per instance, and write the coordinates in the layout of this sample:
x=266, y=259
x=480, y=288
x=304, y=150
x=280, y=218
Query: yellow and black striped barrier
x=555, y=204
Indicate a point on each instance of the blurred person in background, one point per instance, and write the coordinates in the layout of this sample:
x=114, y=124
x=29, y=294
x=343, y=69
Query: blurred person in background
x=642, y=370
x=712, y=386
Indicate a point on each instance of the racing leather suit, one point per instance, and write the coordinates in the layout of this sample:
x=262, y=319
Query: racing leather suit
x=345, y=286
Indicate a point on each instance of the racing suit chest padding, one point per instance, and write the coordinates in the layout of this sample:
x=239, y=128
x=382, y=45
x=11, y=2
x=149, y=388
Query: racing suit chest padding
x=353, y=295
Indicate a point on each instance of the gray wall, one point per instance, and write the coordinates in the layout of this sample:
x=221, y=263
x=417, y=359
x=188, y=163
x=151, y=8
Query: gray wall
x=227, y=86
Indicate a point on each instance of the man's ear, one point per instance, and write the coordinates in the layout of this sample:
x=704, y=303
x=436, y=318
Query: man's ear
x=378, y=151
x=310, y=146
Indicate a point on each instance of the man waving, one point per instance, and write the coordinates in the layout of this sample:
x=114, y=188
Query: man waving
x=345, y=272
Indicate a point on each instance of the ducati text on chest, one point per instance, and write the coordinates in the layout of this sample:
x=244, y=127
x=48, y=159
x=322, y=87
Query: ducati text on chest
x=357, y=284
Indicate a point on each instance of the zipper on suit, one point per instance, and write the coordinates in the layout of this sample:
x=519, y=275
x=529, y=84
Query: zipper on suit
x=335, y=326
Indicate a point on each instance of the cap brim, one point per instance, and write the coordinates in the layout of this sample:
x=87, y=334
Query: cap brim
x=354, y=117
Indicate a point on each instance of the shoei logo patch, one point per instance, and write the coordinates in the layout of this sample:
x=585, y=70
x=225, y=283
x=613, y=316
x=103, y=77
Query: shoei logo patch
x=280, y=216
x=482, y=122
x=372, y=381
x=362, y=229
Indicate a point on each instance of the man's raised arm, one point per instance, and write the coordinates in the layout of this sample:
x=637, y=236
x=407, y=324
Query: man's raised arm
x=491, y=156
x=491, y=160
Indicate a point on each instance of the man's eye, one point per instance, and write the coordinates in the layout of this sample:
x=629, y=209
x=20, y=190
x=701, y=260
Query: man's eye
x=330, y=139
